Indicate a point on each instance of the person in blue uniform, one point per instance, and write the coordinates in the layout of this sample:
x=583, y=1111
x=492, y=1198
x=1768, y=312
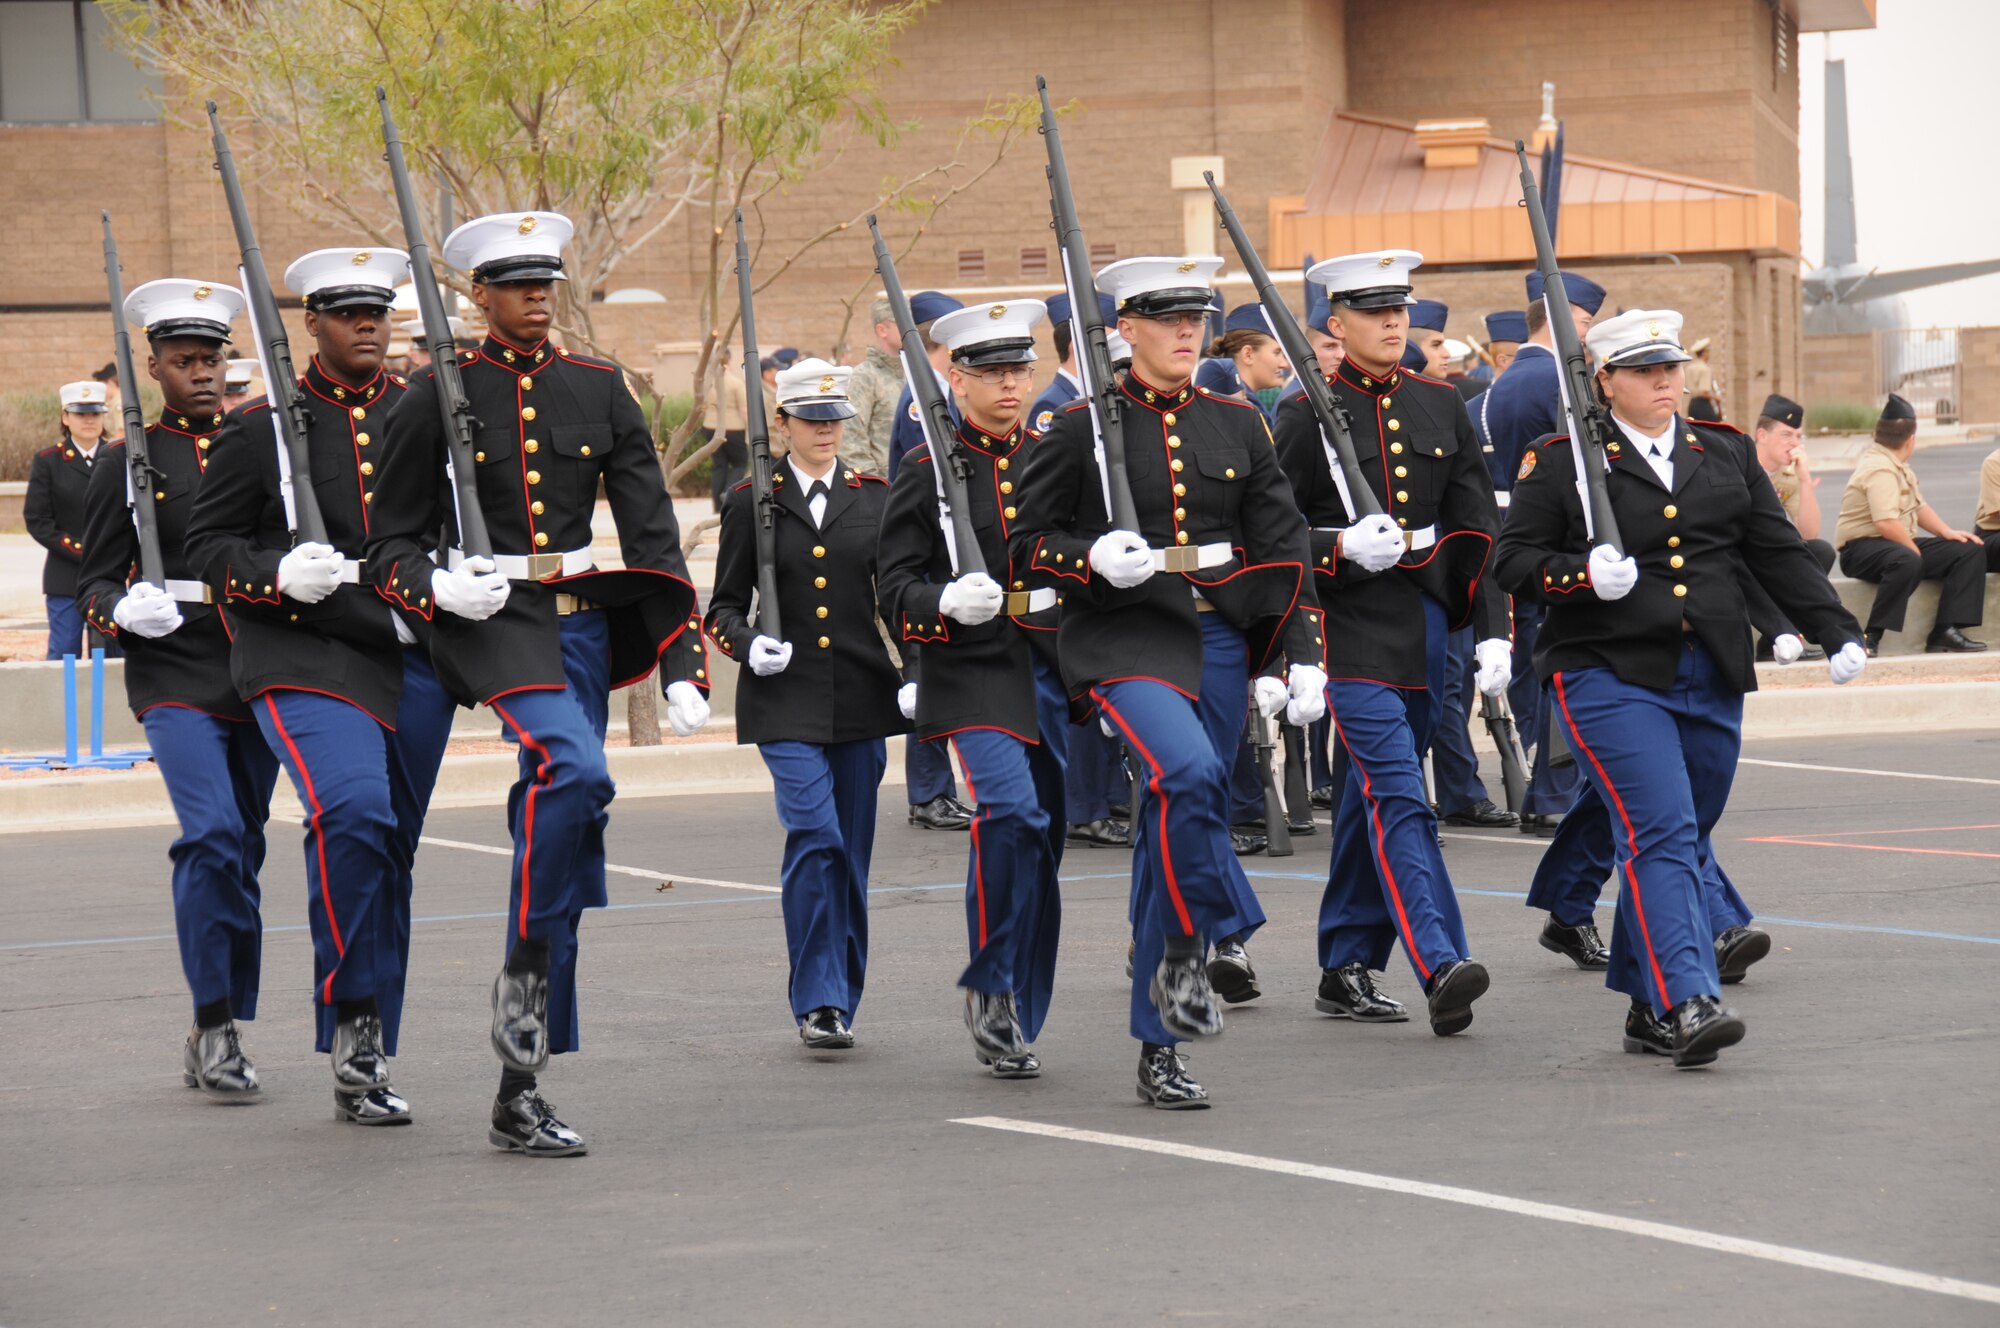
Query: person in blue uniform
x=1094, y=779
x=58, y=478
x=987, y=680
x=1392, y=586
x=1505, y=331
x=344, y=694
x=820, y=701
x=1246, y=361
x=933, y=792
x=1424, y=351
x=1525, y=405
x=535, y=631
x=1158, y=652
x=215, y=764
x=1648, y=654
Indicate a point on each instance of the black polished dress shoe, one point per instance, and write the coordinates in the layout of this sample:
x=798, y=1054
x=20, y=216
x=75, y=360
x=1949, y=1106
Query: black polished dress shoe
x=213, y=1061
x=825, y=1030
x=1322, y=798
x=1581, y=945
x=375, y=1106
x=359, y=1063
x=1248, y=843
x=526, y=1124
x=1348, y=992
x=1185, y=1000
x=1120, y=811
x=521, y=1019
x=1542, y=827
x=941, y=813
x=1647, y=1032
x=996, y=1032
x=1701, y=1029
x=1452, y=990
x=1301, y=823
x=1229, y=972
x=1872, y=641
x=1164, y=1081
x=1104, y=833
x=1024, y=1066
x=1951, y=641
x=1483, y=815
x=1738, y=948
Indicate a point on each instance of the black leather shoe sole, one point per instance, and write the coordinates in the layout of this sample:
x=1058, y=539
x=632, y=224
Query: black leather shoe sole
x=355, y=1109
x=1339, y=1011
x=1483, y=820
x=512, y=1145
x=1172, y=1104
x=1451, y=1003
x=1734, y=963
x=1662, y=1046
x=1708, y=1042
x=1574, y=955
x=1233, y=984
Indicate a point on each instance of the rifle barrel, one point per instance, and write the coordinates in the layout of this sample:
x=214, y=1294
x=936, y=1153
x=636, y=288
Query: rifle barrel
x=138, y=466
x=758, y=434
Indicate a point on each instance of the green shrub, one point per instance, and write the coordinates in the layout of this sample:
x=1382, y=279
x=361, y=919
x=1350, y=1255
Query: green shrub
x=1841, y=417
x=28, y=423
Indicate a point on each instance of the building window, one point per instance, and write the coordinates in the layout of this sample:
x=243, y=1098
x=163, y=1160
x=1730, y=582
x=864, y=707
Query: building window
x=59, y=64
x=1034, y=261
x=1781, y=46
x=971, y=264
x=1100, y=254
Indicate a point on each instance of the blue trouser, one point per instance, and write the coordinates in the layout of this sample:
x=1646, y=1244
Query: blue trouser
x=1093, y=776
x=338, y=757
x=1013, y=906
x=927, y=768
x=67, y=631
x=1551, y=789
x=556, y=810
x=1246, y=787
x=219, y=775
x=1387, y=879
x=1454, y=768
x=1186, y=880
x=1319, y=736
x=826, y=804
x=1663, y=761
x=1581, y=856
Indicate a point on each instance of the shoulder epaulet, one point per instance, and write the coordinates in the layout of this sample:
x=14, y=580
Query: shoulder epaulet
x=741, y=485
x=51, y=450
x=1221, y=400
x=399, y=380
x=866, y=478
x=1426, y=378
x=586, y=361
x=255, y=403
x=1713, y=424
x=1553, y=439
x=1081, y=403
x=921, y=452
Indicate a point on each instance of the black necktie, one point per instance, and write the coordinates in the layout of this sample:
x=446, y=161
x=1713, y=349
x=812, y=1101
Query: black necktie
x=818, y=490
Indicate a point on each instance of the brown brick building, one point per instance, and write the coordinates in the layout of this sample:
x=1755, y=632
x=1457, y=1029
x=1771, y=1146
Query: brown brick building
x=1710, y=97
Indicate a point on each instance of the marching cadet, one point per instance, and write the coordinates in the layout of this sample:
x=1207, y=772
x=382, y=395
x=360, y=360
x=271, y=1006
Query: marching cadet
x=53, y=513
x=535, y=631
x=1648, y=656
x=1392, y=587
x=1135, y=646
x=420, y=345
x=236, y=383
x=346, y=697
x=1525, y=405
x=983, y=684
x=819, y=714
x=217, y=768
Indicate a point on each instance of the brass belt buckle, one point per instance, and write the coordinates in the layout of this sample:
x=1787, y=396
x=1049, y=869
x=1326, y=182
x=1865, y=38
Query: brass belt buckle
x=1015, y=604
x=1182, y=558
x=544, y=566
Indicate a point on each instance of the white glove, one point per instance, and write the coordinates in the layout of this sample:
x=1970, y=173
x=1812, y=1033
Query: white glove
x=1496, y=666
x=310, y=572
x=1121, y=558
x=1611, y=576
x=1272, y=694
x=148, y=611
x=1373, y=543
x=769, y=656
x=1786, y=648
x=687, y=708
x=471, y=590
x=906, y=700
x=972, y=599
x=1308, y=693
x=1845, y=664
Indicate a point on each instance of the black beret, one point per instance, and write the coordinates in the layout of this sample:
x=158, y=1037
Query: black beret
x=1784, y=410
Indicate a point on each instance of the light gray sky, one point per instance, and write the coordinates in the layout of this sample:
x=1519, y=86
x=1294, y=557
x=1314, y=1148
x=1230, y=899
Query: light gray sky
x=1920, y=98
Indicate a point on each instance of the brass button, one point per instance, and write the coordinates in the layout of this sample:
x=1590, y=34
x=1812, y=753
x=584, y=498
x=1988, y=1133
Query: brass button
x=535, y=507
x=541, y=538
x=367, y=497
x=360, y=412
x=819, y=583
x=1171, y=418
x=528, y=384
x=1680, y=592
x=1180, y=514
x=1395, y=425
x=1402, y=521
x=820, y=612
x=1671, y=512
x=1229, y=474
x=1174, y=465
x=361, y=439
x=1020, y=585
x=824, y=642
x=1003, y=463
x=1402, y=495
x=160, y=497
x=1180, y=491
x=202, y=443
x=700, y=673
x=295, y=617
x=368, y=468
x=1402, y=472
x=1008, y=513
x=1006, y=486
x=1397, y=448
x=586, y=449
x=533, y=445
x=1387, y=402
x=478, y=456
x=1676, y=561
x=819, y=550
x=1173, y=440
x=1180, y=537
x=534, y=477
x=527, y=412
x=1673, y=541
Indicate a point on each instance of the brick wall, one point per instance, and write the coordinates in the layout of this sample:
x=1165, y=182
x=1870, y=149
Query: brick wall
x=1846, y=367
x=1979, y=374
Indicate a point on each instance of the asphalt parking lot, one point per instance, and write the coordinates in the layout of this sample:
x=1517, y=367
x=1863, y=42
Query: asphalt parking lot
x=1837, y=1167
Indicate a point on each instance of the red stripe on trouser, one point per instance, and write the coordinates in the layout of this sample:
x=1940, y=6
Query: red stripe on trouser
x=1160, y=794
x=542, y=781
x=1631, y=842
x=319, y=839
x=978, y=863
x=1382, y=857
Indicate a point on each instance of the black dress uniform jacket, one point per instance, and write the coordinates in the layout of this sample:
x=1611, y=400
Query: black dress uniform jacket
x=345, y=645
x=188, y=666
x=53, y=511
x=967, y=677
x=841, y=684
x=1720, y=515
x=549, y=427
x=1417, y=450
x=1202, y=471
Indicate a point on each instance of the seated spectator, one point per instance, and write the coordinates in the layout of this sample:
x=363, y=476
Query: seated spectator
x=1781, y=451
x=1880, y=515
x=1986, y=521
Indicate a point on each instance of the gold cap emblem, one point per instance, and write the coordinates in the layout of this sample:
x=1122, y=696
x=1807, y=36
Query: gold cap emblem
x=527, y=226
x=827, y=383
x=202, y=292
x=1188, y=266
x=1386, y=260
x=1653, y=329
x=361, y=257
x=997, y=311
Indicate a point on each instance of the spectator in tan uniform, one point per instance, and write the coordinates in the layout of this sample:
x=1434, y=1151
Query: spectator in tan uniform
x=1986, y=520
x=877, y=382
x=1781, y=451
x=1704, y=398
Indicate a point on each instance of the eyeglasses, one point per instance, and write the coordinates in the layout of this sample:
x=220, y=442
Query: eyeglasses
x=1177, y=321
x=1005, y=374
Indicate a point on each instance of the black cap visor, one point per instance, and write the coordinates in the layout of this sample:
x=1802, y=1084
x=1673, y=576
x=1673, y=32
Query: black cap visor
x=1374, y=297
x=1009, y=350
x=201, y=329
x=524, y=267
x=1156, y=303
x=1651, y=352
x=351, y=297
x=842, y=409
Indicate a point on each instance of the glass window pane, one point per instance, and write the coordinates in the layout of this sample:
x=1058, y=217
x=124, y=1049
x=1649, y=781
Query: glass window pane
x=38, y=61
x=119, y=89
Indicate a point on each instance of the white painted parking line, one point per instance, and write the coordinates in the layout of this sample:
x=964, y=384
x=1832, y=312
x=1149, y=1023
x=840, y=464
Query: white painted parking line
x=1581, y=1217
x=1863, y=770
x=645, y=872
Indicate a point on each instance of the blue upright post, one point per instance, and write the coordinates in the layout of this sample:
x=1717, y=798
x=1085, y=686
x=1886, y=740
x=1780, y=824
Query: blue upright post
x=69, y=709
x=96, y=702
